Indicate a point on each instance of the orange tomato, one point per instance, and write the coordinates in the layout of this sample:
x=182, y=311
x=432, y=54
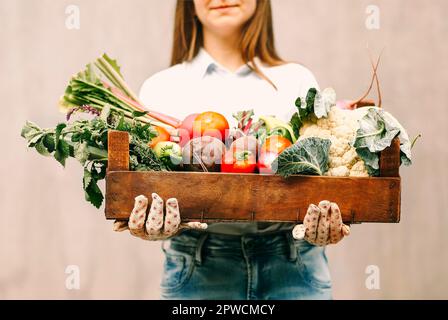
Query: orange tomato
x=162, y=135
x=210, y=124
x=275, y=144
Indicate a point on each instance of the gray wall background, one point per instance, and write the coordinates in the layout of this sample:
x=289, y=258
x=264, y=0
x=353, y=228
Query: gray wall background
x=46, y=225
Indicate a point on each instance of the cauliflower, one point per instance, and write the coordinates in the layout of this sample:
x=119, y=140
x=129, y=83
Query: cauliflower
x=340, y=128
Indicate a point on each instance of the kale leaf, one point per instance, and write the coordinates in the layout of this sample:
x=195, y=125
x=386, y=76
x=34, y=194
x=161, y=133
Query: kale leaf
x=377, y=129
x=307, y=156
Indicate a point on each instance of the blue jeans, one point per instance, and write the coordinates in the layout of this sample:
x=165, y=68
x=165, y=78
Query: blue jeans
x=202, y=265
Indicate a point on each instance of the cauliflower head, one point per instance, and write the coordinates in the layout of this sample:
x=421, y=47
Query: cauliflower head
x=340, y=128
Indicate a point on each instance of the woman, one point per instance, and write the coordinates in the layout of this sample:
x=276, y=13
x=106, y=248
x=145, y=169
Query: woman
x=224, y=60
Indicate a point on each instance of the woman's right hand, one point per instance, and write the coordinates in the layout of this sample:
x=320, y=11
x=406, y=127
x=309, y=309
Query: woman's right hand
x=155, y=224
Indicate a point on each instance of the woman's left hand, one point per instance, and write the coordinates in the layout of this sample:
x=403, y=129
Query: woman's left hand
x=322, y=225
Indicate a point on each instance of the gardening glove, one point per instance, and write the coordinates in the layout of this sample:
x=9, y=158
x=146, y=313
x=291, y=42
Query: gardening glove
x=322, y=225
x=155, y=225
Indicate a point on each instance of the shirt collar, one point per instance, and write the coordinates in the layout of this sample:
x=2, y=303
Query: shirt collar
x=204, y=64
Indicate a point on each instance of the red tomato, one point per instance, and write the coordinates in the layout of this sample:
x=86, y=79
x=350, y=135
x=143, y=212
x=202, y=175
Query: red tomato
x=265, y=162
x=211, y=124
x=162, y=135
x=186, y=129
x=239, y=162
x=275, y=144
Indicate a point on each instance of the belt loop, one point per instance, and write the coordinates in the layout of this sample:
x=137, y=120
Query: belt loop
x=292, y=247
x=198, y=252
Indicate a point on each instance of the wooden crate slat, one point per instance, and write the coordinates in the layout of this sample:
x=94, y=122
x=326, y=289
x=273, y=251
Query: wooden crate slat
x=118, y=150
x=390, y=160
x=214, y=197
x=227, y=197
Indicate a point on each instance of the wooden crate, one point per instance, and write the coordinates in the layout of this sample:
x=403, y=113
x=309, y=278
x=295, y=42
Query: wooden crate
x=214, y=197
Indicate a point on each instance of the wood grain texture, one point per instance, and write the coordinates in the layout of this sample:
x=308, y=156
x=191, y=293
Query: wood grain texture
x=54, y=227
x=244, y=197
x=218, y=197
x=118, y=150
x=390, y=160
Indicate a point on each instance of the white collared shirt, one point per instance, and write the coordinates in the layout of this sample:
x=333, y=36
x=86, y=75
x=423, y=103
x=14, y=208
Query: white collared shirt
x=204, y=85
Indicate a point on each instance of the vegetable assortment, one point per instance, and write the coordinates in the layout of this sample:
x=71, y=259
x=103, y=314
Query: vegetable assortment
x=357, y=136
x=323, y=137
x=357, y=131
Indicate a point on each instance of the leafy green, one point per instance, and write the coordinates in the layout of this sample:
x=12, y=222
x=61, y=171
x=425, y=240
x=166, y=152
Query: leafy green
x=377, y=129
x=81, y=152
x=49, y=142
x=91, y=177
x=137, y=114
x=375, y=133
x=305, y=106
x=296, y=123
x=113, y=63
x=309, y=100
x=323, y=101
x=62, y=152
x=316, y=104
x=86, y=141
x=62, y=148
x=371, y=161
x=307, y=156
x=101, y=85
x=41, y=148
x=31, y=133
x=100, y=90
x=143, y=158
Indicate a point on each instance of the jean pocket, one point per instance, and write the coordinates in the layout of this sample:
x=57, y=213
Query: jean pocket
x=178, y=268
x=314, y=265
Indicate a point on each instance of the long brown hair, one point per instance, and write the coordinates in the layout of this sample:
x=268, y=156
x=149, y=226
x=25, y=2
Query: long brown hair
x=257, y=37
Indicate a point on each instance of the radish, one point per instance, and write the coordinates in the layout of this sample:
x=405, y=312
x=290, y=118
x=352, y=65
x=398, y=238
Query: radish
x=185, y=130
